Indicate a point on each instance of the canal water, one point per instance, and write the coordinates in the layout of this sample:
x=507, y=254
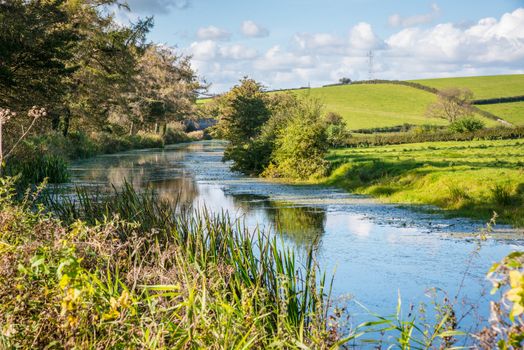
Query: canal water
x=375, y=251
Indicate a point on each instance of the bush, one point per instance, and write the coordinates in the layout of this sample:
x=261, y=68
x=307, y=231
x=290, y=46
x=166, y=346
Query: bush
x=173, y=136
x=36, y=168
x=466, y=124
x=301, y=145
x=336, y=130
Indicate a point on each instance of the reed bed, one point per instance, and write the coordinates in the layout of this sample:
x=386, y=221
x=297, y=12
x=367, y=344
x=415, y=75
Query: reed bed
x=129, y=271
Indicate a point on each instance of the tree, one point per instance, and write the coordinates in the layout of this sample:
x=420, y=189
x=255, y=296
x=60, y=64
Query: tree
x=167, y=88
x=35, y=45
x=243, y=112
x=106, y=58
x=301, y=145
x=336, y=130
x=451, y=104
x=344, y=80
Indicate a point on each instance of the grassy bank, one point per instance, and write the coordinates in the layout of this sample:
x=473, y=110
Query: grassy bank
x=131, y=271
x=47, y=156
x=472, y=178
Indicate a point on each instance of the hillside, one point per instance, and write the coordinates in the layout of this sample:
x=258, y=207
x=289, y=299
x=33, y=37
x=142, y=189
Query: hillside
x=512, y=112
x=378, y=105
x=365, y=106
x=482, y=86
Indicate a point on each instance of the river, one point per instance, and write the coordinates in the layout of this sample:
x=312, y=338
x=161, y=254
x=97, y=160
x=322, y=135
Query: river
x=376, y=251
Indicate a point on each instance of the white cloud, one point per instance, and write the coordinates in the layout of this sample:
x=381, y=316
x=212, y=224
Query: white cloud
x=362, y=37
x=203, y=50
x=276, y=59
x=490, y=46
x=238, y=52
x=397, y=20
x=213, y=33
x=490, y=41
x=315, y=41
x=253, y=30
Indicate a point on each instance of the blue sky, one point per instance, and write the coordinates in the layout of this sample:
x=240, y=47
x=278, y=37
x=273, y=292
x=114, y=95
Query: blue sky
x=290, y=43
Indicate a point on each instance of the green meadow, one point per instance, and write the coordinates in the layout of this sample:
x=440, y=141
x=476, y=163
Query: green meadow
x=378, y=105
x=472, y=178
x=484, y=86
x=512, y=112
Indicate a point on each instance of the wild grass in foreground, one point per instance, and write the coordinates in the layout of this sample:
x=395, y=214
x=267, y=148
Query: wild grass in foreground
x=138, y=273
x=129, y=271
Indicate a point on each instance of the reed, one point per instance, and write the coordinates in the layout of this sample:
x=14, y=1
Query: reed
x=125, y=269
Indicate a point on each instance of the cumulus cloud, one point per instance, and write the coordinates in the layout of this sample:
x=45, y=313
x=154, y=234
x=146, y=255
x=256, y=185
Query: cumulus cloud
x=490, y=41
x=213, y=33
x=209, y=50
x=362, y=37
x=253, y=30
x=276, y=59
x=307, y=41
x=489, y=46
x=157, y=6
x=397, y=20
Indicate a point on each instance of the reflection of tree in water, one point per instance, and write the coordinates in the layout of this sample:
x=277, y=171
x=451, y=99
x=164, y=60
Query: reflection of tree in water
x=183, y=190
x=303, y=225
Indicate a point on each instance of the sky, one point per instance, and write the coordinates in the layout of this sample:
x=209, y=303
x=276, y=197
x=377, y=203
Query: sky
x=294, y=43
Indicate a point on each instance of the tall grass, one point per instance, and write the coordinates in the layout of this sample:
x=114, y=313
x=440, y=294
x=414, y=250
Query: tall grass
x=126, y=270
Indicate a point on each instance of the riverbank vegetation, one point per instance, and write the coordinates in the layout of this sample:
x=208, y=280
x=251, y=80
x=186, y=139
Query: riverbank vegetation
x=130, y=270
x=94, y=79
x=279, y=135
x=471, y=178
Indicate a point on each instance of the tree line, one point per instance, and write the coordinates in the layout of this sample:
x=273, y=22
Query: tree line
x=87, y=71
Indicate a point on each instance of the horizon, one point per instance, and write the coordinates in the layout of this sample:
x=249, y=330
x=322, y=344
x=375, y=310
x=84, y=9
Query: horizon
x=293, y=44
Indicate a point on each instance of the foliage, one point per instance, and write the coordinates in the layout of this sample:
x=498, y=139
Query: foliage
x=466, y=124
x=506, y=329
x=90, y=73
x=451, y=105
x=424, y=134
x=336, y=130
x=35, y=38
x=36, y=168
x=301, y=145
x=243, y=112
x=157, y=276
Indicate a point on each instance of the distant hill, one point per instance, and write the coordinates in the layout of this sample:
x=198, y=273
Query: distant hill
x=366, y=106
x=483, y=86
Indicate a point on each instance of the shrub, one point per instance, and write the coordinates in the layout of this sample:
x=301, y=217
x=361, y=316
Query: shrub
x=466, y=124
x=301, y=145
x=173, y=136
x=35, y=168
x=336, y=130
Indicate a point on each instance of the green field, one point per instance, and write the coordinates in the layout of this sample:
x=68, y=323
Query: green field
x=381, y=105
x=482, y=87
x=366, y=106
x=512, y=112
x=472, y=178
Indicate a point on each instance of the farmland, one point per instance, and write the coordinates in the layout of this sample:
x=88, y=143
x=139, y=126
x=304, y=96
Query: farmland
x=472, y=178
x=484, y=86
x=512, y=112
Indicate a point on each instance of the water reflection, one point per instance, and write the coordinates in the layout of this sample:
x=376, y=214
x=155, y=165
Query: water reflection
x=377, y=250
x=302, y=225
